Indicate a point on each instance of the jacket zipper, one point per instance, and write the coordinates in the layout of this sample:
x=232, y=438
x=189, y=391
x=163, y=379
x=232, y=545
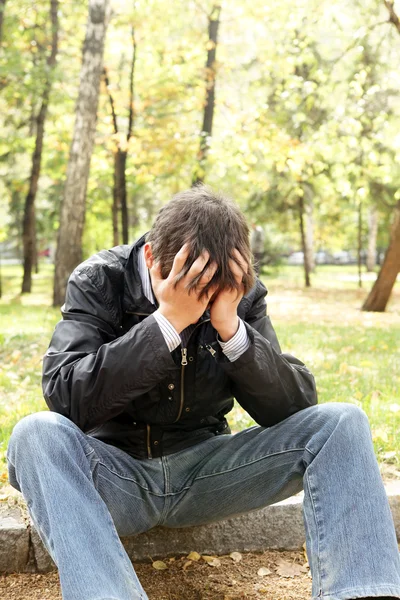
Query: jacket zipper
x=184, y=362
x=149, y=455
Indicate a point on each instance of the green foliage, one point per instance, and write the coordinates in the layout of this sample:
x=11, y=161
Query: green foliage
x=306, y=106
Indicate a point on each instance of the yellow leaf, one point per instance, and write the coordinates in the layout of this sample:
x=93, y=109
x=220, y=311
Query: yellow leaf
x=194, y=556
x=212, y=561
x=187, y=564
x=159, y=565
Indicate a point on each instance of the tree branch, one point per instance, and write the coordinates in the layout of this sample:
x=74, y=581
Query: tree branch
x=114, y=116
x=131, y=87
x=393, y=17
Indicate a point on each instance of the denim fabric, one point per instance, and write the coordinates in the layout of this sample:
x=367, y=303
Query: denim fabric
x=81, y=493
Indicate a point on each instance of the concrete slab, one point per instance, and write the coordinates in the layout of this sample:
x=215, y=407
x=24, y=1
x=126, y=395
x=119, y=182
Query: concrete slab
x=279, y=526
x=14, y=539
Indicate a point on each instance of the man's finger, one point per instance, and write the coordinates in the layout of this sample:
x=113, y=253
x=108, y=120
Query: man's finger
x=208, y=274
x=238, y=258
x=179, y=261
x=198, y=266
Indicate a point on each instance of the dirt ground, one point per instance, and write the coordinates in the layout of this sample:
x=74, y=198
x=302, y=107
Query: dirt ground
x=285, y=576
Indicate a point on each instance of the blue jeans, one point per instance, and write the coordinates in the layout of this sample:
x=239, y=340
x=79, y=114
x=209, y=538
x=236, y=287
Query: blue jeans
x=81, y=493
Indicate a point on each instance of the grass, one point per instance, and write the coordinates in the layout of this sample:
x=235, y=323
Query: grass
x=353, y=355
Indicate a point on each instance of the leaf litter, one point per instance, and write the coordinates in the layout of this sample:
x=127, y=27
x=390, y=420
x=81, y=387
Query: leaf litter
x=194, y=579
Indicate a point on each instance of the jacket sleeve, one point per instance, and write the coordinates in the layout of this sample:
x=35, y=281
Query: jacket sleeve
x=268, y=384
x=91, y=373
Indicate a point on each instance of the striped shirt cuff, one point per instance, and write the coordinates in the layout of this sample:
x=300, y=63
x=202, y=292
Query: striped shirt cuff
x=171, y=336
x=235, y=347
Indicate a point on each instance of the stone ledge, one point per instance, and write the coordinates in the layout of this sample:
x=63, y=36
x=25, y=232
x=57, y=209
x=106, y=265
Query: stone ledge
x=279, y=526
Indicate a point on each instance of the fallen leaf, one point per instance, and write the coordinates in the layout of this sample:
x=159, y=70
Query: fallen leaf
x=159, y=565
x=194, y=556
x=213, y=561
x=263, y=572
x=260, y=587
x=287, y=569
x=187, y=564
x=236, y=556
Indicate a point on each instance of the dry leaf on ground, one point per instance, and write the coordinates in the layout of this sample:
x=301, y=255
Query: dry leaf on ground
x=213, y=561
x=194, y=556
x=263, y=571
x=287, y=569
x=236, y=556
x=159, y=565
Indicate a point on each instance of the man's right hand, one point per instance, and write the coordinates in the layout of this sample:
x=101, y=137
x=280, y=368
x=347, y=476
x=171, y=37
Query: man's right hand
x=176, y=303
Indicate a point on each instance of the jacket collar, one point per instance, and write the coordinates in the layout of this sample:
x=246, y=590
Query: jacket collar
x=134, y=298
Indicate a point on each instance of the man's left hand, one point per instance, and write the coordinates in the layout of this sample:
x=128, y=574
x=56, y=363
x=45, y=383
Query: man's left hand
x=223, y=311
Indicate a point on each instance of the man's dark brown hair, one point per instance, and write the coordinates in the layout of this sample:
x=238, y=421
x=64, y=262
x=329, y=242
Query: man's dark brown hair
x=206, y=220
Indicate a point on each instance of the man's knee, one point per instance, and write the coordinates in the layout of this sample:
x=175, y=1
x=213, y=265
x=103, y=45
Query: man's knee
x=36, y=429
x=344, y=413
x=341, y=421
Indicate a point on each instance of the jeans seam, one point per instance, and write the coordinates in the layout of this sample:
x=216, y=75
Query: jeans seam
x=249, y=463
x=316, y=523
x=307, y=476
x=146, y=489
x=164, y=512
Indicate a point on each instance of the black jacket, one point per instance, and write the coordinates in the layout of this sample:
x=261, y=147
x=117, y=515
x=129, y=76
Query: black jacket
x=109, y=370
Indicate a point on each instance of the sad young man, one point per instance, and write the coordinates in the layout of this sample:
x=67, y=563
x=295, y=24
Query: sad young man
x=156, y=340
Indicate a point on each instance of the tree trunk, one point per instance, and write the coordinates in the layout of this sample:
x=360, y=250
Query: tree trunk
x=306, y=252
x=72, y=217
x=2, y=9
x=29, y=228
x=123, y=199
x=120, y=191
x=115, y=205
x=309, y=233
x=210, y=77
x=359, y=244
x=383, y=286
x=372, y=237
x=120, y=155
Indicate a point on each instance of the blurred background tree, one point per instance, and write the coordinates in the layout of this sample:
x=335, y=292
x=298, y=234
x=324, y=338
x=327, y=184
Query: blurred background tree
x=293, y=110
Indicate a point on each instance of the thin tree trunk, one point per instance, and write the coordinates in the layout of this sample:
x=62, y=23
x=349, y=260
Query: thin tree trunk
x=372, y=237
x=383, y=286
x=309, y=232
x=120, y=202
x=115, y=205
x=359, y=244
x=307, y=279
x=121, y=180
x=2, y=9
x=124, y=201
x=72, y=218
x=29, y=228
x=210, y=78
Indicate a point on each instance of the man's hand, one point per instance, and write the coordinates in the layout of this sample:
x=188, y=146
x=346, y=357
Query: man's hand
x=176, y=303
x=223, y=310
